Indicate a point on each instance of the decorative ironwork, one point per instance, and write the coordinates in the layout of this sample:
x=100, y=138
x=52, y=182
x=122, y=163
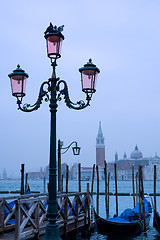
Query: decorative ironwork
x=42, y=93
x=45, y=93
x=77, y=106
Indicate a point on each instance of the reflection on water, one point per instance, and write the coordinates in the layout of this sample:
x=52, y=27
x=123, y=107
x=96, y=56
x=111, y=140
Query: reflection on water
x=151, y=235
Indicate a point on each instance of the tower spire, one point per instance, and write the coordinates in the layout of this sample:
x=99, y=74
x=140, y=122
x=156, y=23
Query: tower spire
x=100, y=148
x=100, y=134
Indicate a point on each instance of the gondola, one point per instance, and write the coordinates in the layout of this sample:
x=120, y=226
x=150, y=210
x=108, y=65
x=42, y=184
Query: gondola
x=127, y=224
x=156, y=221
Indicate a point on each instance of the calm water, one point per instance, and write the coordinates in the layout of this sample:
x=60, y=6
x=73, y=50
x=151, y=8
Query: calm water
x=123, y=201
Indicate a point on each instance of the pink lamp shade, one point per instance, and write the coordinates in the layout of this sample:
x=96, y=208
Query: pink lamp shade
x=89, y=75
x=54, y=46
x=54, y=39
x=89, y=80
x=18, y=82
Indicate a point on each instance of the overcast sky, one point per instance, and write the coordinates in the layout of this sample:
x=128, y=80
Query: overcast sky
x=123, y=39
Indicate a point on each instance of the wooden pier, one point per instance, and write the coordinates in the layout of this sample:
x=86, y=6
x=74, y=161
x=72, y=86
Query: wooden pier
x=26, y=216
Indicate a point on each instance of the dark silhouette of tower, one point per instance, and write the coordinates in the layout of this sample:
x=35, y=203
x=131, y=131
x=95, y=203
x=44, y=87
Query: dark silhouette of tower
x=100, y=148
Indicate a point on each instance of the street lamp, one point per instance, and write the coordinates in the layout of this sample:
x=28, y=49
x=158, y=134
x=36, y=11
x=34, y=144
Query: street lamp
x=52, y=92
x=76, y=149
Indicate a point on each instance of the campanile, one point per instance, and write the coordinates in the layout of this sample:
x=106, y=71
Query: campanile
x=100, y=148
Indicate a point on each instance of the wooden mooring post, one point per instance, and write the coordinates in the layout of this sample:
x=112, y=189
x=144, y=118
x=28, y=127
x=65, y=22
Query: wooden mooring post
x=79, y=176
x=155, y=204
x=88, y=208
x=62, y=184
x=92, y=214
x=108, y=193
x=44, y=184
x=106, y=188
x=133, y=186
x=140, y=191
x=97, y=189
x=143, y=206
x=115, y=174
x=92, y=179
x=22, y=179
x=137, y=187
x=26, y=183
x=67, y=173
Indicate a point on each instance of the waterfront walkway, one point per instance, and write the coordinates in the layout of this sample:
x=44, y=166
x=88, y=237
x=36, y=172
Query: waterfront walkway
x=23, y=217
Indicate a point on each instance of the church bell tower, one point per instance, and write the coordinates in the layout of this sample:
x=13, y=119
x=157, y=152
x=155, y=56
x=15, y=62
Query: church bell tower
x=100, y=148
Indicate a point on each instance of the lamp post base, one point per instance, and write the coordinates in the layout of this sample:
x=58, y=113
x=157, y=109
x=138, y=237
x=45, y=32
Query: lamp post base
x=52, y=232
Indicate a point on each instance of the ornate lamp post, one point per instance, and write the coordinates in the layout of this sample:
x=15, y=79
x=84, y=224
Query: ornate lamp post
x=51, y=91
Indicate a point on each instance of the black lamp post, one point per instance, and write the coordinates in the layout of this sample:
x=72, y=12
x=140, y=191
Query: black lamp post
x=52, y=92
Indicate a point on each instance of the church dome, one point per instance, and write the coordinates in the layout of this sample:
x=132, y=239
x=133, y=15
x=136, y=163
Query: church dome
x=136, y=154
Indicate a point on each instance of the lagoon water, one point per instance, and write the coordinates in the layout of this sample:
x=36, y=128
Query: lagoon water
x=123, y=201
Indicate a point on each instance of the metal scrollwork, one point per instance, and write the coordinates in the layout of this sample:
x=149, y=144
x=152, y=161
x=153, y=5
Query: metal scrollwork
x=77, y=106
x=42, y=93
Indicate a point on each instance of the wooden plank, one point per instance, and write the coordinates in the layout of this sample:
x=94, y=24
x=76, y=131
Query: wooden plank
x=23, y=196
x=36, y=208
x=2, y=216
x=27, y=216
x=17, y=220
x=10, y=215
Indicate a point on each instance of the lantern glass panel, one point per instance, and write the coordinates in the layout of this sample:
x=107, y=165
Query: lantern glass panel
x=76, y=150
x=89, y=79
x=18, y=83
x=54, y=46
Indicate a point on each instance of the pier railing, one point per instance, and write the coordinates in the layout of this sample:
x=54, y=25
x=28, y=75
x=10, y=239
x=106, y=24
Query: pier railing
x=26, y=214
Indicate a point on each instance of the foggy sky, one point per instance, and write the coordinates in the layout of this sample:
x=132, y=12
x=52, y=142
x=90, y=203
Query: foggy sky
x=123, y=40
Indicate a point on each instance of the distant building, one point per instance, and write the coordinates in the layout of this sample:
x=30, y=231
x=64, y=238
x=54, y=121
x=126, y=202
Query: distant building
x=74, y=171
x=63, y=169
x=4, y=176
x=124, y=165
x=100, y=148
x=37, y=175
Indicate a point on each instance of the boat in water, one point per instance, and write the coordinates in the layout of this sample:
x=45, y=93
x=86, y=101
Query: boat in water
x=126, y=224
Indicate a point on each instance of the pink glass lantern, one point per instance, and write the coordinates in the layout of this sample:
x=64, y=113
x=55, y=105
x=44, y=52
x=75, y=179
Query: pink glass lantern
x=18, y=82
x=89, y=75
x=54, y=40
